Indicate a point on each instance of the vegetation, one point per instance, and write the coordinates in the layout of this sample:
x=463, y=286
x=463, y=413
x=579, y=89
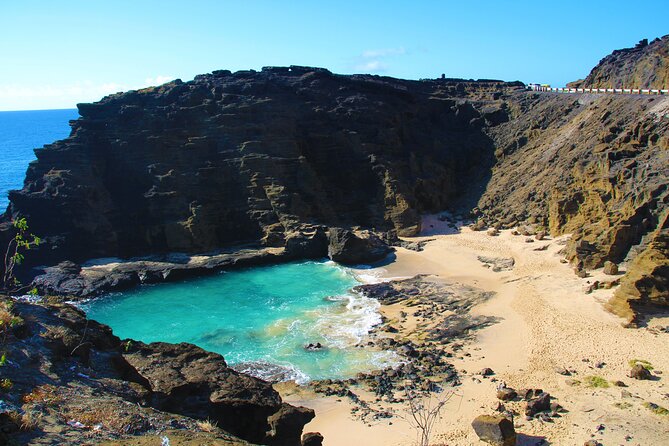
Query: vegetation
x=424, y=408
x=657, y=410
x=645, y=364
x=596, y=381
x=14, y=255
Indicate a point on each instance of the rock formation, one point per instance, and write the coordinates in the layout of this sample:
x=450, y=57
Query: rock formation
x=252, y=156
x=644, y=66
x=282, y=158
x=94, y=379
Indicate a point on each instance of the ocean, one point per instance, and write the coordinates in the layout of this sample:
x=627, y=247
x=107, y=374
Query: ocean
x=260, y=319
x=20, y=133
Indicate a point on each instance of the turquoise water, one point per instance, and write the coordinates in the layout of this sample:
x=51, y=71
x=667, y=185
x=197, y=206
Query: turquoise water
x=259, y=319
x=20, y=133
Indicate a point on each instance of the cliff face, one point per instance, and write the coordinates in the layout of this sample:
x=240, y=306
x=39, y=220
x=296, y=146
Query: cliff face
x=596, y=166
x=275, y=157
x=644, y=66
x=231, y=158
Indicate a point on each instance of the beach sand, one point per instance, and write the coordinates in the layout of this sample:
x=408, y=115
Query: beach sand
x=545, y=321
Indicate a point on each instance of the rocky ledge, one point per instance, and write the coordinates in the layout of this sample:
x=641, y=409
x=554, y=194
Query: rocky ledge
x=69, y=380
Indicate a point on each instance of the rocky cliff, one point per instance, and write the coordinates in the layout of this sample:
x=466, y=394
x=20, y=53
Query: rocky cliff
x=80, y=384
x=644, y=66
x=276, y=158
x=256, y=157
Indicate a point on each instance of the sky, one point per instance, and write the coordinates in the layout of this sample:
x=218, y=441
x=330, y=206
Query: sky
x=55, y=54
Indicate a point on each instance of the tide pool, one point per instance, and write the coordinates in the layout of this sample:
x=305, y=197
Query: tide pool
x=259, y=319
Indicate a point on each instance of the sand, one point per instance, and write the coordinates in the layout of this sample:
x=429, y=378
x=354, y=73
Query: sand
x=546, y=320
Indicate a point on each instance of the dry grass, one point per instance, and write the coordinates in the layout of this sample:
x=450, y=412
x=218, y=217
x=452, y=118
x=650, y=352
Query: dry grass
x=207, y=425
x=26, y=422
x=107, y=416
x=47, y=395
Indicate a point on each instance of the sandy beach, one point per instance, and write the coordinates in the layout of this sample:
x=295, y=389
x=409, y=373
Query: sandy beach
x=545, y=321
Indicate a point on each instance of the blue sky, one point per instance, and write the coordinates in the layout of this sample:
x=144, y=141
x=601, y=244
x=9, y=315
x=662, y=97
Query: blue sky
x=54, y=54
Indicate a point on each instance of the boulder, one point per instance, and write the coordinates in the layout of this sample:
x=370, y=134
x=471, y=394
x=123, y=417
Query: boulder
x=610, y=268
x=495, y=430
x=356, y=247
x=186, y=379
x=506, y=394
x=539, y=404
x=640, y=372
x=312, y=439
x=286, y=425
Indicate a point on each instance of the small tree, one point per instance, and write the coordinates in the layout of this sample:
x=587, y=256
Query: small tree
x=424, y=408
x=14, y=255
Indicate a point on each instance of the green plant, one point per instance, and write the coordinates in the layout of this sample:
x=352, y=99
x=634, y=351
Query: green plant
x=14, y=254
x=642, y=362
x=657, y=410
x=596, y=381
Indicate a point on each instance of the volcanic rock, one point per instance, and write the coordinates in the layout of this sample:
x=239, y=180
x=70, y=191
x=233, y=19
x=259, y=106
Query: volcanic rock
x=495, y=430
x=356, y=247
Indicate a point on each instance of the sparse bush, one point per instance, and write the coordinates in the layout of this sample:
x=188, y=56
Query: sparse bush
x=207, y=425
x=657, y=410
x=14, y=255
x=424, y=408
x=596, y=381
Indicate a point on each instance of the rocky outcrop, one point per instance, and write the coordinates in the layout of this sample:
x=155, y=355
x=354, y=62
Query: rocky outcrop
x=262, y=157
x=647, y=280
x=646, y=65
x=356, y=247
x=67, y=370
x=185, y=379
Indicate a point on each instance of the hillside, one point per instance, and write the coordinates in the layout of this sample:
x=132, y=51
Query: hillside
x=646, y=65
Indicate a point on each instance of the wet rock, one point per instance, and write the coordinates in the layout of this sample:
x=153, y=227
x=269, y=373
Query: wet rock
x=495, y=430
x=640, y=372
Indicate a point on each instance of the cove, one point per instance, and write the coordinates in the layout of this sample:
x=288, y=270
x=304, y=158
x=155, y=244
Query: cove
x=259, y=319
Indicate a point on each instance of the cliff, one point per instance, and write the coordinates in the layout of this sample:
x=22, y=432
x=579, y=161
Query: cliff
x=232, y=158
x=644, y=66
x=274, y=159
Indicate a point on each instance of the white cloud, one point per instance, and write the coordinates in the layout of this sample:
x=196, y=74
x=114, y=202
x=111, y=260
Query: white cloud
x=33, y=97
x=372, y=66
x=384, y=52
x=376, y=60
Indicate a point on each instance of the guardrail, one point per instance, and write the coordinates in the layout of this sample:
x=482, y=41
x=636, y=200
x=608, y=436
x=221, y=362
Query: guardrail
x=545, y=88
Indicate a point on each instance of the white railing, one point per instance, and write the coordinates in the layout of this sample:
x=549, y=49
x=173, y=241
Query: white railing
x=549, y=89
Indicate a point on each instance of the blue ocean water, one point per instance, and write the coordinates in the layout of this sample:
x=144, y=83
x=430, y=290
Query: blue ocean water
x=20, y=133
x=258, y=318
